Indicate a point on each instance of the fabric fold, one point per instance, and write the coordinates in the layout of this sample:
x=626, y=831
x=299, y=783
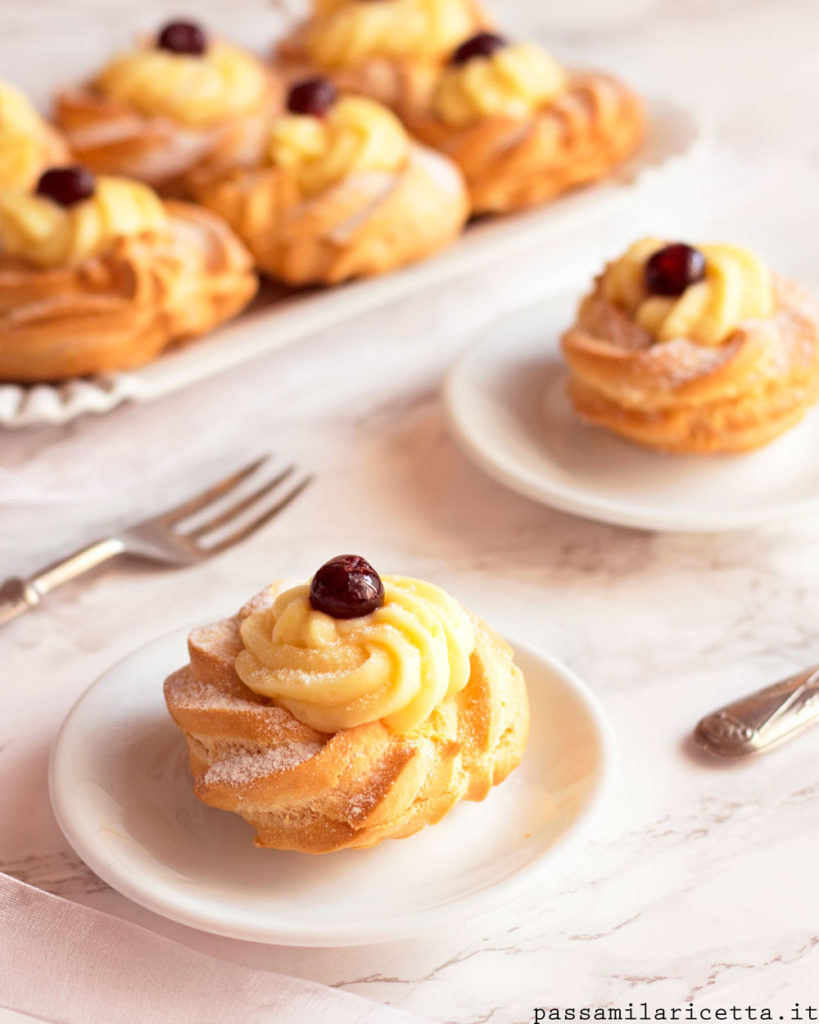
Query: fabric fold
x=70, y=964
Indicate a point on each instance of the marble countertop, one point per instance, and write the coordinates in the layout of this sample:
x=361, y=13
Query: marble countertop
x=701, y=886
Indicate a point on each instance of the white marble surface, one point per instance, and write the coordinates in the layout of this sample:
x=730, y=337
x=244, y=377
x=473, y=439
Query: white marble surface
x=702, y=886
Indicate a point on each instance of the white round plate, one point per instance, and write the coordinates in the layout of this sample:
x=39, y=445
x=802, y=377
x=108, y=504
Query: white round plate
x=507, y=406
x=121, y=791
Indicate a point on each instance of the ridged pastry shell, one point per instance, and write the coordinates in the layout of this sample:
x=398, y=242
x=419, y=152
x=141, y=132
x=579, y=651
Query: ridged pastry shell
x=683, y=397
x=121, y=308
x=367, y=224
x=318, y=792
x=511, y=163
x=403, y=84
x=112, y=137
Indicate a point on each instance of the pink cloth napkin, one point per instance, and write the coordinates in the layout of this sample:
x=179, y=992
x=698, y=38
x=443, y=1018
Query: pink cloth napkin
x=69, y=964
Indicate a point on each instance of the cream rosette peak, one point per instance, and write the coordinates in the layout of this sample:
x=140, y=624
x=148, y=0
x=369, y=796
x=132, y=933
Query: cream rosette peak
x=48, y=234
x=195, y=90
x=347, y=32
x=395, y=664
x=514, y=81
x=25, y=142
x=737, y=286
x=357, y=135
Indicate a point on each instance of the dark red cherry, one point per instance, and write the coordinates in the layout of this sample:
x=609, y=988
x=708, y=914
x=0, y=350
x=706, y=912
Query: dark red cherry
x=672, y=269
x=346, y=587
x=183, y=37
x=313, y=96
x=66, y=185
x=484, y=44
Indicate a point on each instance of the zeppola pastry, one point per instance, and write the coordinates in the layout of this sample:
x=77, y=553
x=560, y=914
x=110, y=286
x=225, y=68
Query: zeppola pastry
x=349, y=710
x=175, y=104
x=100, y=274
x=28, y=144
x=342, y=192
x=391, y=51
x=693, y=349
x=521, y=128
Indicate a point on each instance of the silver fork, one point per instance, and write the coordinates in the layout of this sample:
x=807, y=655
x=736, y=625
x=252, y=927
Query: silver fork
x=166, y=538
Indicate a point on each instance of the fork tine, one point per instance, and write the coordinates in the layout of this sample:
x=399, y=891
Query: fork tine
x=265, y=517
x=240, y=506
x=201, y=500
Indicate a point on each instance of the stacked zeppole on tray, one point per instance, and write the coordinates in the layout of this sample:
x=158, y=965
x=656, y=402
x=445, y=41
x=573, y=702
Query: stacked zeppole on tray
x=184, y=166
x=348, y=710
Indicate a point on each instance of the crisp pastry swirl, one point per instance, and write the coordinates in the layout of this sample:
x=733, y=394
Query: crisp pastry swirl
x=357, y=135
x=47, y=234
x=737, y=287
x=395, y=664
x=25, y=140
x=317, y=790
x=514, y=82
x=196, y=91
x=346, y=32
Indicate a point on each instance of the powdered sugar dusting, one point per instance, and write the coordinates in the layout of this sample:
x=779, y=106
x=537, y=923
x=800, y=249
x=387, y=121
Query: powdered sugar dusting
x=197, y=694
x=246, y=766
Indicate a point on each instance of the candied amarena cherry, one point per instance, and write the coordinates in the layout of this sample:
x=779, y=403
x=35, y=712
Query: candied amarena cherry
x=484, y=44
x=313, y=97
x=183, y=37
x=346, y=587
x=66, y=185
x=672, y=269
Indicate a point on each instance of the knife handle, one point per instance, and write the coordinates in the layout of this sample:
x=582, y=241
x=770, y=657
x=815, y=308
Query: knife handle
x=762, y=720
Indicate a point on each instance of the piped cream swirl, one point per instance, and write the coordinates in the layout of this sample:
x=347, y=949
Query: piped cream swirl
x=357, y=135
x=737, y=287
x=396, y=664
x=197, y=91
x=49, y=235
x=345, y=33
x=24, y=147
x=513, y=82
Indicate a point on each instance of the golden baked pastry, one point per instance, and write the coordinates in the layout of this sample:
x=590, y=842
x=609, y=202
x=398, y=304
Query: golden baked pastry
x=693, y=350
x=100, y=275
x=174, y=105
x=343, y=192
x=521, y=128
x=390, y=51
x=28, y=144
x=348, y=710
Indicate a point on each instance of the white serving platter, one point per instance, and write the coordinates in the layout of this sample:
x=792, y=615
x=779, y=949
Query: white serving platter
x=674, y=139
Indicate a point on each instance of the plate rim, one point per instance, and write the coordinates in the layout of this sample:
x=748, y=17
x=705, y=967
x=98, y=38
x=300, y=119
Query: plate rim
x=565, y=499
x=410, y=923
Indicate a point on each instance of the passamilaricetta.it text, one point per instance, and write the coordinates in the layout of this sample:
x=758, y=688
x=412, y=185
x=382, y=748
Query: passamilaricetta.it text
x=689, y=1012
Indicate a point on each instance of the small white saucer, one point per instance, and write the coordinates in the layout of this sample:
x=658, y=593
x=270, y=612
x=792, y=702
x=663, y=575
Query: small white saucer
x=121, y=791
x=508, y=409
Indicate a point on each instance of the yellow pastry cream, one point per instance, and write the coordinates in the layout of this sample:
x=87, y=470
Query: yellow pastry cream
x=514, y=81
x=735, y=285
x=48, y=234
x=196, y=90
x=394, y=664
x=355, y=135
x=346, y=32
x=22, y=149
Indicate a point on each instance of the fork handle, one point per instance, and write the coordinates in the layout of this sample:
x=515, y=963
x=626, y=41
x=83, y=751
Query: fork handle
x=19, y=595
